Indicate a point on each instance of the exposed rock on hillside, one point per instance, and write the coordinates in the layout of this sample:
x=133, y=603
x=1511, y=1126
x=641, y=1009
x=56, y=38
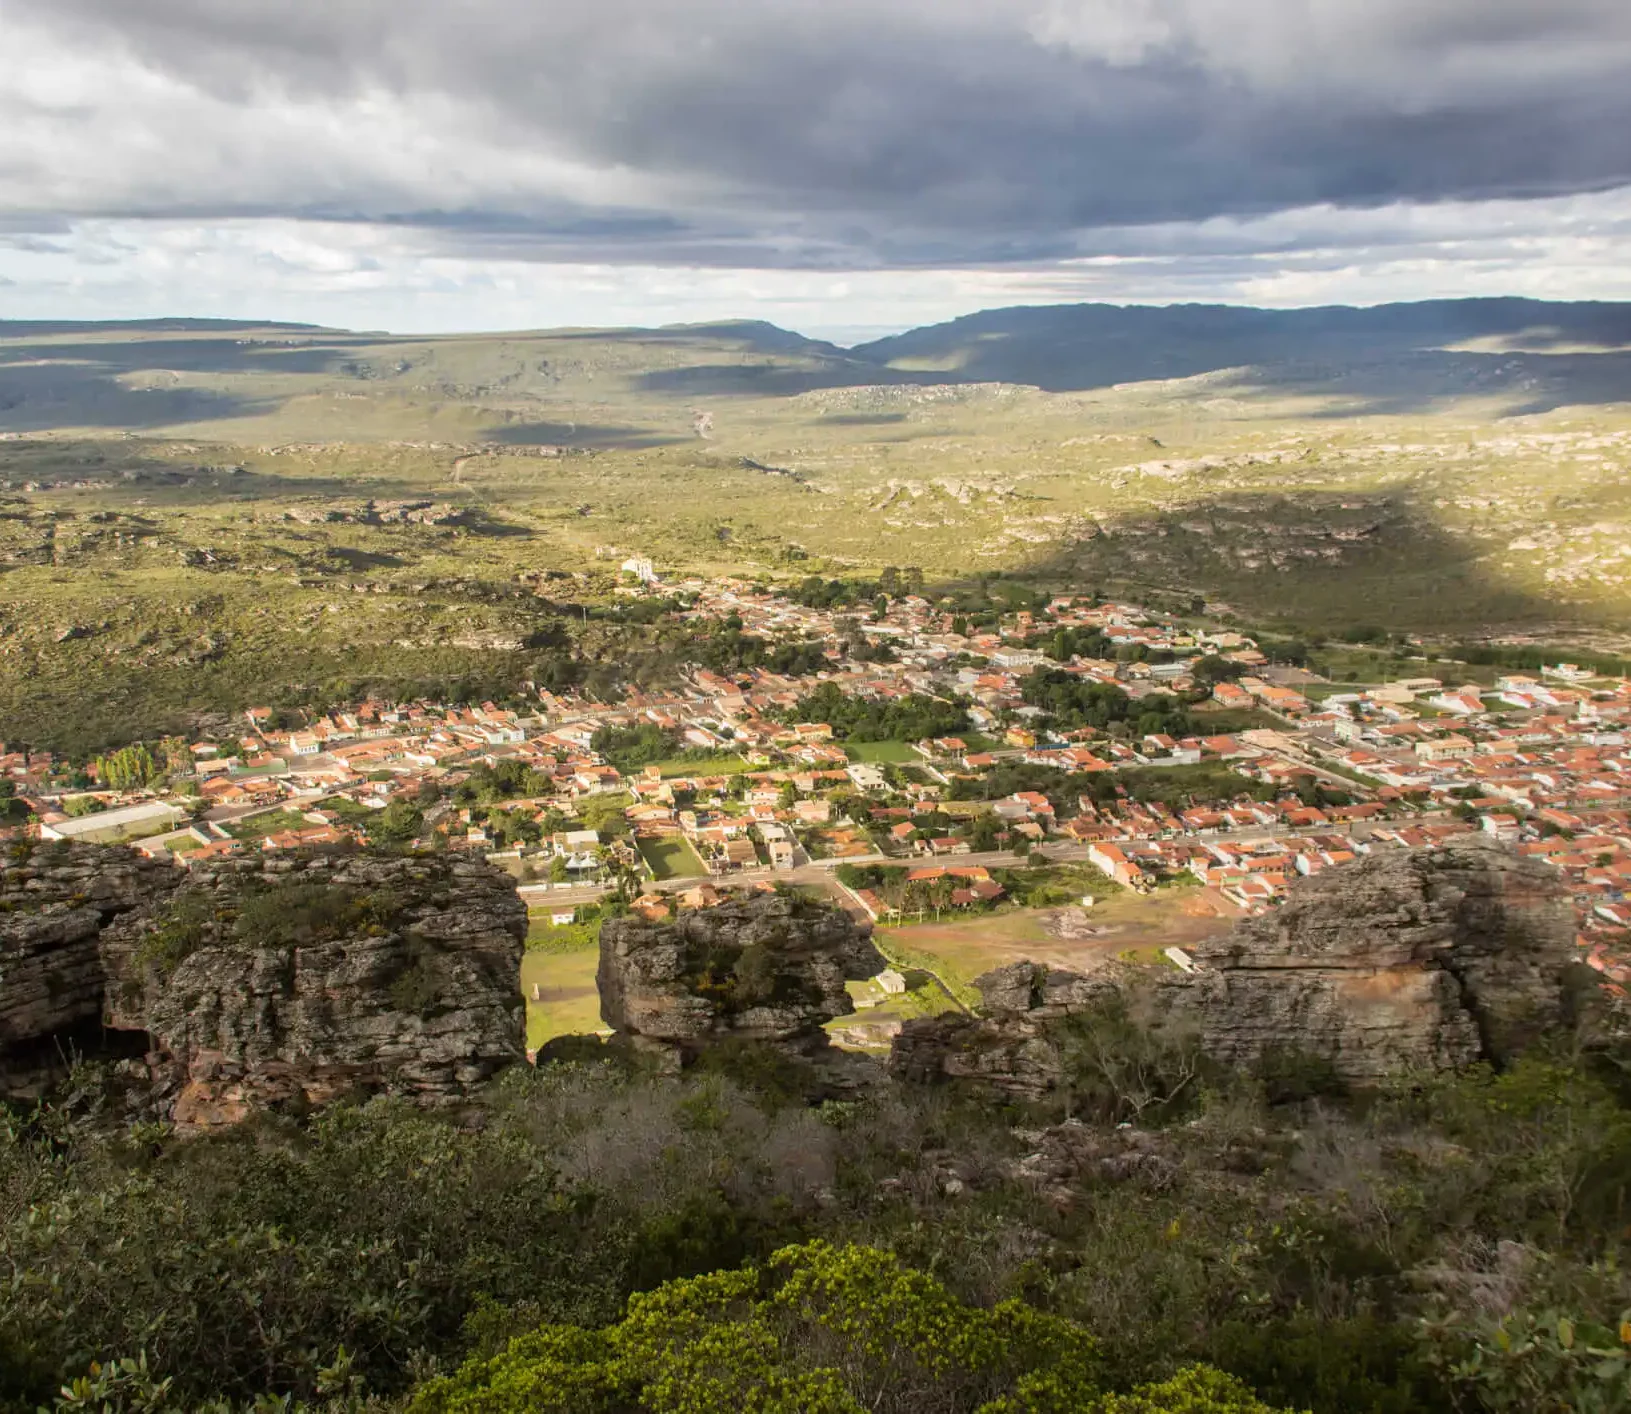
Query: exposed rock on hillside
x=769, y=968
x=1433, y=958
x=55, y=899
x=1408, y=958
x=1010, y=1046
x=261, y=981
x=269, y=981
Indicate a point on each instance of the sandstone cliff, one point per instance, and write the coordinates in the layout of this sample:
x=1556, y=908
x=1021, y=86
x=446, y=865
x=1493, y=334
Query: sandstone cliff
x=1404, y=959
x=264, y=981
x=1012, y=1046
x=768, y=968
x=1407, y=958
x=268, y=981
x=55, y=900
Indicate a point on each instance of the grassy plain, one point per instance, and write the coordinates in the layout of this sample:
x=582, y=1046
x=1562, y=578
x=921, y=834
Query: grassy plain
x=560, y=963
x=960, y=949
x=898, y=753
x=672, y=858
x=191, y=523
x=725, y=765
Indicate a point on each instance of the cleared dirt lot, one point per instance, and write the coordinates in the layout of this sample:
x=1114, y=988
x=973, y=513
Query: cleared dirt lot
x=1075, y=938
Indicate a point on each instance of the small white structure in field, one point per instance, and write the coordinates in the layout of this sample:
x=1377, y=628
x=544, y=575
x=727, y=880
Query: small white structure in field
x=1181, y=960
x=1087, y=900
x=891, y=982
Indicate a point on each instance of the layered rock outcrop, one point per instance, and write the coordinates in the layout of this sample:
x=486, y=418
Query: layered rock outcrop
x=1405, y=959
x=55, y=900
x=1012, y=1045
x=1428, y=958
x=767, y=968
x=267, y=981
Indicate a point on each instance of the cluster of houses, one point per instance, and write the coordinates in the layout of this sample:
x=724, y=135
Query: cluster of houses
x=1542, y=760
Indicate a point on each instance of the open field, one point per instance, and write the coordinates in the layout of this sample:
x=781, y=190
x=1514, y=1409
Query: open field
x=192, y=523
x=727, y=765
x=569, y=1002
x=897, y=753
x=254, y=828
x=960, y=950
x=672, y=858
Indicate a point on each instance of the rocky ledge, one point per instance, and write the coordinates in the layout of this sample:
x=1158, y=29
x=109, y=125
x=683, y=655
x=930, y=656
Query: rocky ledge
x=277, y=981
x=768, y=968
x=1409, y=959
x=55, y=900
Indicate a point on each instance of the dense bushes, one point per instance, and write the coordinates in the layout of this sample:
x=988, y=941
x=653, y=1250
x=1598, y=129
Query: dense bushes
x=818, y=1330
x=1456, y=1243
x=911, y=718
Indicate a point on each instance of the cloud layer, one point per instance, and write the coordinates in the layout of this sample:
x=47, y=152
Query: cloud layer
x=825, y=135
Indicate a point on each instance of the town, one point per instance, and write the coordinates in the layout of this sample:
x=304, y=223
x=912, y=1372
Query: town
x=907, y=757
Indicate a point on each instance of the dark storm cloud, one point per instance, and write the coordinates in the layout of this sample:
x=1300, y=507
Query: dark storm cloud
x=828, y=132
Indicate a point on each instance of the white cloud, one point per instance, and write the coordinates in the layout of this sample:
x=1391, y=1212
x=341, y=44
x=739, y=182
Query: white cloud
x=363, y=275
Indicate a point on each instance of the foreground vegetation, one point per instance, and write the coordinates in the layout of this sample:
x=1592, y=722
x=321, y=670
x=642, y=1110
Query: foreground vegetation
x=1452, y=1243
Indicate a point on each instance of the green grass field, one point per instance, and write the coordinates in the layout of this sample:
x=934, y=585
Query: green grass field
x=253, y=828
x=569, y=1001
x=897, y=753
x=726, y=765
x=672, y=858
x=959, y=949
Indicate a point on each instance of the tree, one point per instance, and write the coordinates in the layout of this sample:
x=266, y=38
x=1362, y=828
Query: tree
x=398, y=823
x=604, y=815
x=558, y=872
x=984, y=832
x=818, y=1330
x=1213, y=669
x=127, y=768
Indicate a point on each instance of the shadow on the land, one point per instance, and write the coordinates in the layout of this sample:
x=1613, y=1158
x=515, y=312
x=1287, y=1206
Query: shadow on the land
x=44, y=396
x=1391, y=359
x=1315, y=561
x=591, y=436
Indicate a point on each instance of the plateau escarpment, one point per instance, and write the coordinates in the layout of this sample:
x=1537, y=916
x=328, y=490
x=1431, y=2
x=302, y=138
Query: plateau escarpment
x=264, y=982
x=1412, y=959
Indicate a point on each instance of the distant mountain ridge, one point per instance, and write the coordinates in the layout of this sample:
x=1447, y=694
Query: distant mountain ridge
x=1062, y=347
x=36, y=328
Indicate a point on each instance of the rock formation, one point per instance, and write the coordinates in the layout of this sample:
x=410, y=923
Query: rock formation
x=266, y=981
x=1430, y=958
x=1011, y=1046
x=768, y=968
x=55, y=900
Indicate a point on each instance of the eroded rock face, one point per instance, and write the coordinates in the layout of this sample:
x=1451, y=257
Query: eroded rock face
x=270, y=981
x=768, y=968
x=55, y=900
x=1429, y=959
x=1010, y=1046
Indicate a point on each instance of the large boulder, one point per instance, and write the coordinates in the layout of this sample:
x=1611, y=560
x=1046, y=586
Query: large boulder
x=55, y=900
x=293, y=980
x=768, y=968
x=1423, y=958
x=1406, y=959
x=1011, y=1047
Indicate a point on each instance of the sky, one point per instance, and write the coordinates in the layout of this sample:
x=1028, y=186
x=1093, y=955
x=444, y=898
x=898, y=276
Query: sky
x=843, y=167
